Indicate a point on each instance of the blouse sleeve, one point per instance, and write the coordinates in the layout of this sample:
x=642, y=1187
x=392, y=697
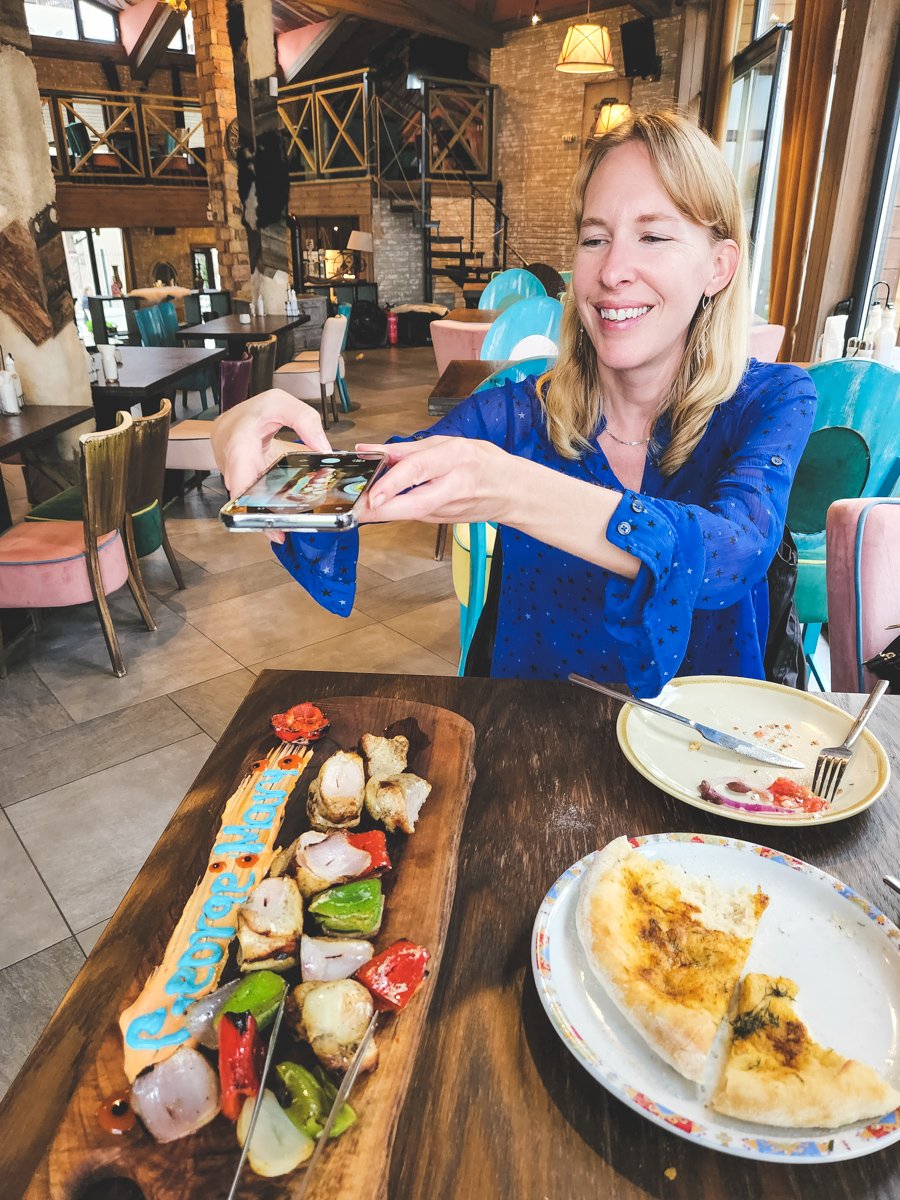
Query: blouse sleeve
x=324, y=564
x=708, y=557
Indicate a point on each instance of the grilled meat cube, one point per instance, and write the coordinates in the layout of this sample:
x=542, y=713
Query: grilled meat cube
x=396, y=800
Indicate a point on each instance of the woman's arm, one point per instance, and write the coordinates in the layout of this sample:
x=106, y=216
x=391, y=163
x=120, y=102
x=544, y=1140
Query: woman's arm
x=450, y=479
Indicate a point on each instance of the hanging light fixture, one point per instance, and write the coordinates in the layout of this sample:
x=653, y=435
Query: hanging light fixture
x=177, y=5
x=611, y=111
x=536, y=13
x=586, y=50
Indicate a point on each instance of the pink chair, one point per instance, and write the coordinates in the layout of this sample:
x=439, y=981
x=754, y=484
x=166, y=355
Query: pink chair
x=456, y=339
x=862, y=539
x=765, y=342
x=54, y=564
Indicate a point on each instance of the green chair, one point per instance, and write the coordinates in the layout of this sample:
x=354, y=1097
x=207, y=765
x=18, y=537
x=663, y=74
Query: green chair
x=864, y=396
x=145, y=527
x=158, y=326
x=835, y=466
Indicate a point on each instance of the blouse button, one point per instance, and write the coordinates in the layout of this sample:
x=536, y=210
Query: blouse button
x=637, y=506
x=776, y=460
x=624, y=528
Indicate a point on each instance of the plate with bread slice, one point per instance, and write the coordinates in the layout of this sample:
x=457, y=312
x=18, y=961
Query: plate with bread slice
x=737, y=996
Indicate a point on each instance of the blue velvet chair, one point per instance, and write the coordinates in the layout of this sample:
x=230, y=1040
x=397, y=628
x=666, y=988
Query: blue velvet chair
x=158, y=327
x=528, y=329
x=509, y=287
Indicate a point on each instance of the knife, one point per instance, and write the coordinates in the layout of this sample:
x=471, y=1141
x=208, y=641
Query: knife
x=339, y=1101
x=270, y=1054
x=726, y=740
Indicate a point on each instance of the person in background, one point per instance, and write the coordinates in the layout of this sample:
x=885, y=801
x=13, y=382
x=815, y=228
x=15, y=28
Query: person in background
x=640, y=487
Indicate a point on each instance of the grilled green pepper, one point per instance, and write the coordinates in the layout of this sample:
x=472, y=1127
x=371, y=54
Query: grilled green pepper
x=353, y=908
x=258, y=993
x=311, y=1101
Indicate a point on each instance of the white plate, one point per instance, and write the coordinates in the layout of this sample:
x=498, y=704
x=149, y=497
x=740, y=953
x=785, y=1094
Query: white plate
x=797, y=724
x=843, y=954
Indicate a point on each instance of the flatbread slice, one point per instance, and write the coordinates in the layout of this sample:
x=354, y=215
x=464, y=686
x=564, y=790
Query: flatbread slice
x=776, y=1074
x=668, y=947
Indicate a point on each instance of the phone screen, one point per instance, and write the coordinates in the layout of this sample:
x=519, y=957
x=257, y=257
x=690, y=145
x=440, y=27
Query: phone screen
x=303, y=483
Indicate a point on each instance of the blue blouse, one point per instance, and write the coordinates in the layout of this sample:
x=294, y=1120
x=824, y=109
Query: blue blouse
x=705, y=537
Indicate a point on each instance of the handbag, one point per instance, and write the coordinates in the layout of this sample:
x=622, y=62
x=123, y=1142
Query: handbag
x=886, y=665
x=784, y=661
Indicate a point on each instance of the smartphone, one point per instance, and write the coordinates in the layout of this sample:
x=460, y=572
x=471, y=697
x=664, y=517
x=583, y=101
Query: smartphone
x=305, y=493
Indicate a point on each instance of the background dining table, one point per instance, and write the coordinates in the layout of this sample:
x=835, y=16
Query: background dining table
x=146, y=375
x=237, y=333
x=496, y=1107
x=457, y=381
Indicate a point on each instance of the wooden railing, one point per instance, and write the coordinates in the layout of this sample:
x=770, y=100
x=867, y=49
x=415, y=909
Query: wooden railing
x=328, y=123
x=105, y=137
x=334, y=128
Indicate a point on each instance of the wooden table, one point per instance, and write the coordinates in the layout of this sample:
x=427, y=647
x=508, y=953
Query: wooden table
x=497, y=1108
x=458, y=380
x=237, y=334
x=473, y=316
x=146, y=374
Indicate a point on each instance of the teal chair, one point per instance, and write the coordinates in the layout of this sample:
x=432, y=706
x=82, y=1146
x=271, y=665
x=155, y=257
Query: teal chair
x=158, y=326
x=509, y=287
x=835, y=466
x=473, y=544
x=529, y=329
x=864, y=396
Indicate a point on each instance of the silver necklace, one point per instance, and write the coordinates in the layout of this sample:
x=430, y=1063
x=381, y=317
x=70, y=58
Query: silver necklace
x=622, y=442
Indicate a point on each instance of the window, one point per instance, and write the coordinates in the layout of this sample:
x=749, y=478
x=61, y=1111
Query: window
x=753, y=145
x=184, y=38
x=759, y=16
x=73, y=19
x=95, y=257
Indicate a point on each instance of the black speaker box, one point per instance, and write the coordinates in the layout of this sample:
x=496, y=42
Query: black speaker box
x=639, y=50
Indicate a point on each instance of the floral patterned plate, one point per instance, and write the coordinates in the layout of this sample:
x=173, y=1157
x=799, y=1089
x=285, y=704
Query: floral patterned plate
x=843, y=954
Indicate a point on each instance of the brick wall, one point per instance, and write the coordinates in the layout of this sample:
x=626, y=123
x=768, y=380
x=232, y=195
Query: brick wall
x=398, y=255
x=149, y=248
x=537, y=105
x=65, y=73
x=215, y=86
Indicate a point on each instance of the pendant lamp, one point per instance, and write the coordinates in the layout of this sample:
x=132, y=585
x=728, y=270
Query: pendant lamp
x=586, y=51
x=611, y=111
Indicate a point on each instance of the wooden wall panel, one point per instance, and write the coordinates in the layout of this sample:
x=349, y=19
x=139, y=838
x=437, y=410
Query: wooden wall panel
x=81, y=205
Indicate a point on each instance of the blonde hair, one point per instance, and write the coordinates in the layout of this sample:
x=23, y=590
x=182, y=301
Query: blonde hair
x=697, y=180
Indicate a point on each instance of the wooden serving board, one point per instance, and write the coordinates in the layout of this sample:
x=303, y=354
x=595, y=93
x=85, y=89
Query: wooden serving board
x=84, y=1162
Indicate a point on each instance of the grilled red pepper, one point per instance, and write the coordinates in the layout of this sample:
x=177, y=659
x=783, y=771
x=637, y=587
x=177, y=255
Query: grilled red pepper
x=375, y=845
x=303, y=722
x=394, y=976
x=241, y=1058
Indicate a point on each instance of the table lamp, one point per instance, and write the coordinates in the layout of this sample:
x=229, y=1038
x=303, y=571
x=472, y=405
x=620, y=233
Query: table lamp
x=360, y=243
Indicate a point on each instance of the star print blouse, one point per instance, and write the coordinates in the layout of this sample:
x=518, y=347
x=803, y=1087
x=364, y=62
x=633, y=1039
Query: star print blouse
x=705, y=537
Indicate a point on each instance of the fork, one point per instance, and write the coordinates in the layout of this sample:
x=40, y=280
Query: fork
x=832, y=761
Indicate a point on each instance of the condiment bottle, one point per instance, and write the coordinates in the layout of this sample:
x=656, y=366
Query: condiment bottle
x=260, y=306
x=8, y=400
x=874, y=323
x=10, y=365
x=886, y=337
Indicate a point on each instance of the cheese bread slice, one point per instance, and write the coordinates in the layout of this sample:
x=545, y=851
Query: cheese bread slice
x=776, y=1074
x=667, y=946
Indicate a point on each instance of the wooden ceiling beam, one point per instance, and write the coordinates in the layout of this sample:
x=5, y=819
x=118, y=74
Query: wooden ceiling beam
x=438, y=18
x=147, y=53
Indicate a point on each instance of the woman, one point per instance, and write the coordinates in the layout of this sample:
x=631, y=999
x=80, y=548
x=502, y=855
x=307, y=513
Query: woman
x=641, y=486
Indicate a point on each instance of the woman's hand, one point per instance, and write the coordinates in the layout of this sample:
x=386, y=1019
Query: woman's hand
x=452, y=479
x=242, y=438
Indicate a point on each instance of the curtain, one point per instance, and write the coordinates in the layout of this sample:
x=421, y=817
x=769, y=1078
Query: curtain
x=813, y=46
x=715, y=90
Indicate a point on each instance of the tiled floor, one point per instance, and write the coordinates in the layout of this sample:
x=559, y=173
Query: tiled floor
x=124, y=751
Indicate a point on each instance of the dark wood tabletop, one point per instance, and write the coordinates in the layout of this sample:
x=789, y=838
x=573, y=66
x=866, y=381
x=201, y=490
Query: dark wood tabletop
x=473, y=316
x=497, y=1107
x=232, y=328
x=458, y=380
x=146, y=373
x=37, y=422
